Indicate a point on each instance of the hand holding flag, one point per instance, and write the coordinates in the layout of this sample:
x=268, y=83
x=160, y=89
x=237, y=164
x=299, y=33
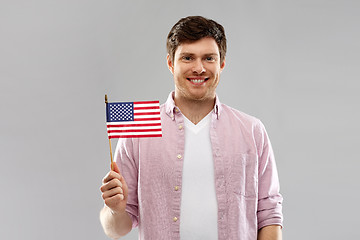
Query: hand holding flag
x=114, y=190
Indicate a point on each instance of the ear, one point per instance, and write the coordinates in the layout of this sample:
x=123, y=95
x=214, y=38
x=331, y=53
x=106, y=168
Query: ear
x=222, y=65
x=170, y=64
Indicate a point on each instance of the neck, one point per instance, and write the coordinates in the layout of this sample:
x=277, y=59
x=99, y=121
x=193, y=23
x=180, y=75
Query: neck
x=194, y=110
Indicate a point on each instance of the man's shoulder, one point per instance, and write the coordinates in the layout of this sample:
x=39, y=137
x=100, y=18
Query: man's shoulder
x=235, y=114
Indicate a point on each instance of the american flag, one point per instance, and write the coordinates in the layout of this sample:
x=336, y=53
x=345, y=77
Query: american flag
x=133, y=119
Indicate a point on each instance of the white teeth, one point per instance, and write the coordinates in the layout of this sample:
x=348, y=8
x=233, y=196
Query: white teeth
x=197, y=80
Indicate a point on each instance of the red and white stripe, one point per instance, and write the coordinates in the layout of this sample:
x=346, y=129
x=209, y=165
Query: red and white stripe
x=147, y=122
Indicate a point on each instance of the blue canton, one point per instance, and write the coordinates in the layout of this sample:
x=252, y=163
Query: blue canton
x=120, y=112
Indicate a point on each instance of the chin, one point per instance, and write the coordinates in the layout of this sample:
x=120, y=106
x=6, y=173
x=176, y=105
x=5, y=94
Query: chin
x=199, y=97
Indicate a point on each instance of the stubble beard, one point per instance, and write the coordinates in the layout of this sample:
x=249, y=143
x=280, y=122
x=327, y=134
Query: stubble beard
x=186, y=95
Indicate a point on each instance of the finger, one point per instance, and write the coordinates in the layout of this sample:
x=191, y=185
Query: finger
x=114, y=183
x=112, y=192
x=110, y=176
x=114, y=200
x=115, y=167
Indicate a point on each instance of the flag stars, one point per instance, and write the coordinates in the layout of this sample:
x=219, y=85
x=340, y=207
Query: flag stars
x=121, y=112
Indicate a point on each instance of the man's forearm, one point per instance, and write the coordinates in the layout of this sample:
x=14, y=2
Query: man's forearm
x=115, y=225
x=272, y=232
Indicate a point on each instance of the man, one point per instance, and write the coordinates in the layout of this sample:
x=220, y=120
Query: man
x=212, y=175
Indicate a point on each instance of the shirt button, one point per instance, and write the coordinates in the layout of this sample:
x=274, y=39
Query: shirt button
x=175, y=219
x=176, y=110
x=221, y=183
x=176, y=188
x=179, y=156
x=180, y=126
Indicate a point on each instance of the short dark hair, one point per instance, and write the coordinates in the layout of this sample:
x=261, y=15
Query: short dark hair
x=193, y=28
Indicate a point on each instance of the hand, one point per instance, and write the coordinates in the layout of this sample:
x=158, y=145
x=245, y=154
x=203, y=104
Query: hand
x=114, y=190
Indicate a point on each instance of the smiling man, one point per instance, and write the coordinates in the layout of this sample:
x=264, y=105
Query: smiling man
x=212, y=175
x=196, y=67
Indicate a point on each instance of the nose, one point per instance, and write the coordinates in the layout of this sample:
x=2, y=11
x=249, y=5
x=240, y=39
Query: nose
x=198, y=67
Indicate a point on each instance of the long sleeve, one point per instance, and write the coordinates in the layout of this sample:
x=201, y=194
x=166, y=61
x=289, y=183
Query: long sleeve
x=127, y=160
x=269, y=197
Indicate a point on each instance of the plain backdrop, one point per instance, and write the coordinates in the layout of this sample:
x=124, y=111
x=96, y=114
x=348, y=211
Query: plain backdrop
x=293, y=64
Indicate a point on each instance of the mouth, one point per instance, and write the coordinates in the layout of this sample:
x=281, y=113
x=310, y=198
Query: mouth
x=197, y=80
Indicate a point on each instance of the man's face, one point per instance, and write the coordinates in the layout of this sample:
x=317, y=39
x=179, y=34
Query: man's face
x=196, y=69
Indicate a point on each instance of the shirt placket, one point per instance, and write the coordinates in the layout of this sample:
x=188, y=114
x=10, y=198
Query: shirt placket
x=219, y=180
x=178, y=157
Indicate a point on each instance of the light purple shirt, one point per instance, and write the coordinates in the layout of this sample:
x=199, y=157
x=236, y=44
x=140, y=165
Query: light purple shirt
x=246, y=179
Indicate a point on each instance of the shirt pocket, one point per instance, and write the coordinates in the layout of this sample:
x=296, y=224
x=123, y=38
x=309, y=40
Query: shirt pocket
x=243, y=174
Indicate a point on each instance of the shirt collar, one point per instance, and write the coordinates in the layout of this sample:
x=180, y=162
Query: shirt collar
x=171, y=109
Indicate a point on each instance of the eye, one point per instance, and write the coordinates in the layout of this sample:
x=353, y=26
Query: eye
x=210, y=59
x=186, y=58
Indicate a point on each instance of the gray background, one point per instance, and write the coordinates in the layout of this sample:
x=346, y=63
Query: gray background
x=293, y=64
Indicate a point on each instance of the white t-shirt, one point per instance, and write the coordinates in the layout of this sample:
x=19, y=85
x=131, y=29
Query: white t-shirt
x=198, y=214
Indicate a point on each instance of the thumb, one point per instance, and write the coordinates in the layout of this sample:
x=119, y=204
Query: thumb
x=115, y=167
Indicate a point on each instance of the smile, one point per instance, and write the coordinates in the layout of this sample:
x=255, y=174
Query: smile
x=197, y=80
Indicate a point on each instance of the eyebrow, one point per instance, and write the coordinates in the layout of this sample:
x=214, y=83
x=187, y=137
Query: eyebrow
x=192, y=54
